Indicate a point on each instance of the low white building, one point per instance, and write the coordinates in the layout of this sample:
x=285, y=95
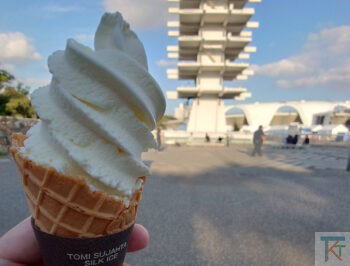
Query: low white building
x=308, y=114
x=332, y=130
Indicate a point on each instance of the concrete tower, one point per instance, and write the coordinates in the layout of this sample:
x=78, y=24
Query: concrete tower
x=211, y=36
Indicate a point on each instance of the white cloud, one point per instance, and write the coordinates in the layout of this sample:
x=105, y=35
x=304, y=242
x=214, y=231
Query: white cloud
x=284, y=67
x=338, y=78
x=165, y=63
x=336, y=40
x=140, y=14
x=323, y=61
x=15, y=46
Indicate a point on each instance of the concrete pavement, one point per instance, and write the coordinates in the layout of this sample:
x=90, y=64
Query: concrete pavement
x=220, y=206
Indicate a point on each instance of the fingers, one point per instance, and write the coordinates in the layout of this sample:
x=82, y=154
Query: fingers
x=19, y=245
x=139, y=238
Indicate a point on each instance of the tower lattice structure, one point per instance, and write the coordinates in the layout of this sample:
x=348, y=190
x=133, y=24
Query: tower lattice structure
x=213, y=46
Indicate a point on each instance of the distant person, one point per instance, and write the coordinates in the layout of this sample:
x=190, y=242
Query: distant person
x=295, y=139
x=289, y=139
x=159, y=138
x=207, y=138
x=227, y=140
x=220, y=139
x=258, y=140
x=306, y=140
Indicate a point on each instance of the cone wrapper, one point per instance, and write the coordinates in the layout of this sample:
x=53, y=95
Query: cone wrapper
x=107, y=250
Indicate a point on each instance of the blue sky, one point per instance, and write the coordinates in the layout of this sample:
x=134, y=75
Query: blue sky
x=303, y=46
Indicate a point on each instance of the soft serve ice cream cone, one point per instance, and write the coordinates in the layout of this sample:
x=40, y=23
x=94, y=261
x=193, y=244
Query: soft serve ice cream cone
x=81, y=165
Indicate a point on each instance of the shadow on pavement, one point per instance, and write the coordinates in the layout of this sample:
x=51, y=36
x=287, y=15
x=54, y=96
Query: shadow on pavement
x=237, y=215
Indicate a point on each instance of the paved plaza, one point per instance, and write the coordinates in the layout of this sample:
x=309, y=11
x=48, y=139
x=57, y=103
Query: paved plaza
x=221, y=206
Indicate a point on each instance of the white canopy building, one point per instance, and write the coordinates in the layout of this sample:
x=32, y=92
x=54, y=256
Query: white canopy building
x=211, y=36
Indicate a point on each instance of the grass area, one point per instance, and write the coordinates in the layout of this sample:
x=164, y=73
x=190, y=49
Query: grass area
x=3, y=152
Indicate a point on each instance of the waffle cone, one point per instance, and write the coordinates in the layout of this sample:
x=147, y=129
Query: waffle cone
x=63, y=205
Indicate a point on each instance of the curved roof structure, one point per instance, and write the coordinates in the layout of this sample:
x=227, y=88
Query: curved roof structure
x=262, y=113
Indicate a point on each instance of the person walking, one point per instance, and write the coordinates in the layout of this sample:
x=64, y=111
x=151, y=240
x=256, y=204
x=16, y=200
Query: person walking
x=159, y=138
x=207, y=138
x=258, y=140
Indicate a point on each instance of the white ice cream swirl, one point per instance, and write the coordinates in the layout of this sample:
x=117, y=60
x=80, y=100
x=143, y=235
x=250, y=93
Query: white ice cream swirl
x=98, y=111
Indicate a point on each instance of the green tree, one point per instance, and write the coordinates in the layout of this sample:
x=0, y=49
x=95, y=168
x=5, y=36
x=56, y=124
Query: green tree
x=5, y=78
x=3, y=101
x=14, y=101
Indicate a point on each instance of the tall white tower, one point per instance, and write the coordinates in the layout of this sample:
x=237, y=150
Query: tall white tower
x=211, y=36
